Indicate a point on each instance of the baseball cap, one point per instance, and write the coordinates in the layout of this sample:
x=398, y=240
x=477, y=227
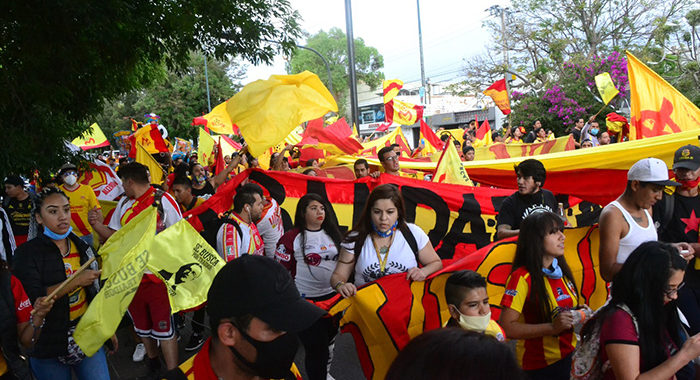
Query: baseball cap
x=261, y=287
x=687, y=157
x=67, y=167
x=650, y=170
x=14, y=180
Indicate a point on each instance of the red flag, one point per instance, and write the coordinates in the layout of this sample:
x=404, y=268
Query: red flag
x=336, y=137
x=430, y=136
x=219, y=163
x=231, y=142
x=403, y=113
x=382, y=128
x=483, y=134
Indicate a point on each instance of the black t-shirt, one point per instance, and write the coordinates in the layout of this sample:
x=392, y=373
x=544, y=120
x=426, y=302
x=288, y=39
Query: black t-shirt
x=577, y=134
x=682, y=227
x=19, y=213
x=208, y=189
x=516, y=207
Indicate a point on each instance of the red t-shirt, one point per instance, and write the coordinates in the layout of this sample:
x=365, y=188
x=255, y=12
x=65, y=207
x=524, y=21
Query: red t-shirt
x=23, y=309
x=619, y=328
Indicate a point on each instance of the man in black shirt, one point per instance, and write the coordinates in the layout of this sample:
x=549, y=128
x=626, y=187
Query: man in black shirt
x=18, y=205
x=529, y=198
x=576, y=132
x=677, y=217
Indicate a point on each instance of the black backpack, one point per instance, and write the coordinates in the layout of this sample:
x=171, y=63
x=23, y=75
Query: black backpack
x=212, y=222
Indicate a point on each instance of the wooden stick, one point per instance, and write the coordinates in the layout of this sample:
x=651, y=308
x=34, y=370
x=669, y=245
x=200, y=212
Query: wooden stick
x=68, y=280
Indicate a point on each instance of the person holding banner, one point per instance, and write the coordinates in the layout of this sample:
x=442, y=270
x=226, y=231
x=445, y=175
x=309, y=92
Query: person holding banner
x=42, y=265
x=383, y=243
x=529, y=198
x=389, y=160
x=309, y=251
x=539, y=298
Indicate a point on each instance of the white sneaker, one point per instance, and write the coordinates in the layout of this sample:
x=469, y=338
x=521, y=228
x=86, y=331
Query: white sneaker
x=139, y=352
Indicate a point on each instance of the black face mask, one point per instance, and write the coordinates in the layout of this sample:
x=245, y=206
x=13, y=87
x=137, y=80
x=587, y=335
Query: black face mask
x=274, y=359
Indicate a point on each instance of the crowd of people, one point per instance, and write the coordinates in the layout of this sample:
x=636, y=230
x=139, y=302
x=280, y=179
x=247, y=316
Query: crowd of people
x=257, y=304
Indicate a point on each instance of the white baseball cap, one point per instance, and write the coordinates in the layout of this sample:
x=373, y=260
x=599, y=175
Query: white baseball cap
x=650, y=170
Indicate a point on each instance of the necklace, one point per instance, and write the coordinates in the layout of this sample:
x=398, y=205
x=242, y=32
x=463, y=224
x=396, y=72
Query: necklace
x=384, y=250
x=67, y=250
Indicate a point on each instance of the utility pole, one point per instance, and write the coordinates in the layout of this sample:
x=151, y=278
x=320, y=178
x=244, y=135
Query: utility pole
x=420, y=46
x=351, y=63
x=206, y=78
x=505, y=50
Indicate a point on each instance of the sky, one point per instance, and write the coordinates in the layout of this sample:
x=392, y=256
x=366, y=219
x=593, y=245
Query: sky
x=452, y=30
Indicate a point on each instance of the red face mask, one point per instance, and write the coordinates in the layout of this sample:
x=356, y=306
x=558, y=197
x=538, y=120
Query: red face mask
x=689, y=184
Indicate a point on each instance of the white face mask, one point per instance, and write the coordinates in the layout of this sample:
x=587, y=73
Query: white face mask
x=472, y=323
x=70, y=179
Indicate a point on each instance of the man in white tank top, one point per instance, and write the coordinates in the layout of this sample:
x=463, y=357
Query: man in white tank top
x=626, y=222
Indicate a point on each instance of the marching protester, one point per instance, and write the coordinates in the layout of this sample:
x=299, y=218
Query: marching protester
x=468, y=153
x=255, y=315
x=576, y=132
x=539, y=298
x=590, y=132
x=150, y=308
x=202, y=185
x=389, y=160
x=604, y=138
x=238, y=235
x=361, y=168
x=529, y=198
x=626, y=222
x=468, y=303
x=270, y=225
x=82, y=199
x=639, y=331
x=383, y=243
x=675, y=217
x=182, y=191
x=455, y=354
x=42, y=264
x=18, y=204
x=516, y=135
x=309, y=251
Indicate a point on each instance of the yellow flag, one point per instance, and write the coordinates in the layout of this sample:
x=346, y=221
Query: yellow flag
x=657, y=107
x=145, y=158
x=219, y=121
x=106, y=310
x=186, y=263
x=450, y=169
x=267, y=110
x=205, y=147
x=95, y=139
x=138, y=230
x=606, y=87
x=391, y=89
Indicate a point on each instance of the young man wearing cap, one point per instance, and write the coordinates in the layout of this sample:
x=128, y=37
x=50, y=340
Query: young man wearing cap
x=677, y=217
x=18, y=204
x=626, y=222
x=529, y=198
x=82, y=199
x=255, y=313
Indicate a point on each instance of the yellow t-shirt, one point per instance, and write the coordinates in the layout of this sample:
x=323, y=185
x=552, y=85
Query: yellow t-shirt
x=77, y=300
x=82, y=200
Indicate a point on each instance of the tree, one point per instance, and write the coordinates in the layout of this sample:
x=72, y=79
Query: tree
x=333, y=46
x=62, y=60
x=176, y=97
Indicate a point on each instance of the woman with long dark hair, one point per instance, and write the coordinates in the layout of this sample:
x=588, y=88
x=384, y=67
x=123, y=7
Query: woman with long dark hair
x=310, y=251
x=640, y=332
x=41, y=265
x=540, y=294
x=383, y=243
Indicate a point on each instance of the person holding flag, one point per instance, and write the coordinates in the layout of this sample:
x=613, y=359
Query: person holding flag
x=150, y=307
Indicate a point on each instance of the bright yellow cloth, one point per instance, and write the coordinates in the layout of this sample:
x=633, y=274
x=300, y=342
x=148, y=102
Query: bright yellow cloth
x=606, y=87
x=267, y=110
x=145, y=158
x=450, y=169
x=77, y=298
x=95, y=138
x=219, y=121
x=205, y=146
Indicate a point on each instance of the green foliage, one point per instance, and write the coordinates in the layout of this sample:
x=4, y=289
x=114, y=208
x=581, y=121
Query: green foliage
x=333, y=46
x=176, y=97
x=61, y=60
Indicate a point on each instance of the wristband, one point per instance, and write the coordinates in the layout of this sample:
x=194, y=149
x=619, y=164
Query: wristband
x=339, y=284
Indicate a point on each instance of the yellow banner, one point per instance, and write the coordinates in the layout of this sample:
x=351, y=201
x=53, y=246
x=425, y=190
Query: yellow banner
x=391, y=89
x=606, y=87
x=94, y=139
x=267, y=110
x=501, y=150
x=657, y=107
x=205, y=148
x=137, y=231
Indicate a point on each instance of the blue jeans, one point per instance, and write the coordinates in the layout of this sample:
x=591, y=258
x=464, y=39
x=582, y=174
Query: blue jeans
x=92, y=368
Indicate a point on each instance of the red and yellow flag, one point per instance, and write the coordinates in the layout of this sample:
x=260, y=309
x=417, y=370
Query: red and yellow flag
x=218, y=121
x=335, y=138
x=149, y=136
x=499, y=94
x=94, y=139
x=430, y=141
x=391, y=89
x=483, y=135
x=402, y=112
x=449, y=168
x=657, y=107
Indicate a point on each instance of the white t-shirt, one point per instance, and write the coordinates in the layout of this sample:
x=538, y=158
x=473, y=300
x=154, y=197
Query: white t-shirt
x=171, y=210
x=270, y=227
x=313, y=275
x=231, y=245
x=401, y=257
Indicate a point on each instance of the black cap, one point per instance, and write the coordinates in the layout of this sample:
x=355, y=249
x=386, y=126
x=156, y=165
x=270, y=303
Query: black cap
x=687, y=157
x=14, y=180
x=67, y=167
x=261, y=287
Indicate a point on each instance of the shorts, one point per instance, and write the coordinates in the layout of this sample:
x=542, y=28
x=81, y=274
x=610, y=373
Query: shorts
x=150, y=311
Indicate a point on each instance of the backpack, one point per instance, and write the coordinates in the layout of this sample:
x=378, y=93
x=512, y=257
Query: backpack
x=586, y=363
x=212, y=223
